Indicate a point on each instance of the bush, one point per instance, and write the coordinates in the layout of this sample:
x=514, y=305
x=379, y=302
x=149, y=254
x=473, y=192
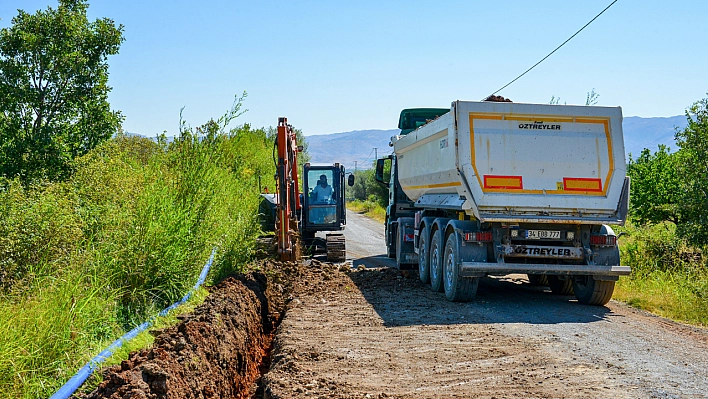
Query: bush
x=366, y=188
x=657, y=247
x=128, y=233
x=38, y=229
x=669, y=275
x=370, y=208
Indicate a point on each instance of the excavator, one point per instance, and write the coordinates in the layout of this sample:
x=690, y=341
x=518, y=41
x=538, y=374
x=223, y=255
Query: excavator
x=297, y=217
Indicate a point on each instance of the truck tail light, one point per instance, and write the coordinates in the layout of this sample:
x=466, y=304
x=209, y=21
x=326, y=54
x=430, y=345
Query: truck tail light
x=603, y=240
x=479, y=236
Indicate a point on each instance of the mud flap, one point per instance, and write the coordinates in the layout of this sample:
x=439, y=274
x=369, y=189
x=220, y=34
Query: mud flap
x=469, y=251
x=405, y=233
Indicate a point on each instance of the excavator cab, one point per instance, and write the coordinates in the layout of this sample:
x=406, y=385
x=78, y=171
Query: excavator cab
x=323, y=209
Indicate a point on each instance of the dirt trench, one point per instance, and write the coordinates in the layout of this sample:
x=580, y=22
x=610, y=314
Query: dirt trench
x=218, y=351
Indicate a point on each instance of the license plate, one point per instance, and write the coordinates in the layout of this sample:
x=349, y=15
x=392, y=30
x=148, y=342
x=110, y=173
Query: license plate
x=538, y=234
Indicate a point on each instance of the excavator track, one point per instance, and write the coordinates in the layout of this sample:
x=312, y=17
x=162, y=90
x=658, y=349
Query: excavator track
x=336, y=247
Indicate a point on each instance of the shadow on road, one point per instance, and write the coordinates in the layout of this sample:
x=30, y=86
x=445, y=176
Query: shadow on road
x=400, y=299
x=374, y=261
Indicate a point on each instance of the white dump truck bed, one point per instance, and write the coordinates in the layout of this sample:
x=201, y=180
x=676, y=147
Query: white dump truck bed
x=519, y=162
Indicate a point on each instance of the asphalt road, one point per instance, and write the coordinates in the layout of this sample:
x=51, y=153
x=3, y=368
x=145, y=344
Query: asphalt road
x=629, y=353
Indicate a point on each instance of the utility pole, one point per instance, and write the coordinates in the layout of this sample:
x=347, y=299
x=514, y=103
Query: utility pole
x=355, y=166
x=376, y=153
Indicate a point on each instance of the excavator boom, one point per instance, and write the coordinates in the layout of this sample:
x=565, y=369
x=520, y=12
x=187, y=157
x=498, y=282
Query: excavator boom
x=287, y=192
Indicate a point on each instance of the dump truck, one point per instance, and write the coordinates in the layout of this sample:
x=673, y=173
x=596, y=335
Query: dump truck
x=496, y=188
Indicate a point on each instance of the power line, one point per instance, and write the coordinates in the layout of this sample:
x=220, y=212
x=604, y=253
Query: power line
x=551, y=53
x=367, y=157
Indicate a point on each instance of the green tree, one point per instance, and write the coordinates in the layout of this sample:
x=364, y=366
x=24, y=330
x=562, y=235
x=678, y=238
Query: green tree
x=656, y=186
x=360, y=189
x=693, y=144
x=54, y=89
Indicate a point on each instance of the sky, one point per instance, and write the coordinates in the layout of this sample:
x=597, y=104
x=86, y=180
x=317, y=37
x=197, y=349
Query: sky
x=332, y=66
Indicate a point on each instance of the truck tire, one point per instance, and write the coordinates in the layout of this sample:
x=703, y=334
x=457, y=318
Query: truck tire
x=424, y=256
x=436, y=261
x=592, y=292
x=560, y=287
x=457, y=288
x=538, y=279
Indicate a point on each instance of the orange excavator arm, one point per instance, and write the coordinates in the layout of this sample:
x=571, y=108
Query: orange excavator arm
x=287, y=191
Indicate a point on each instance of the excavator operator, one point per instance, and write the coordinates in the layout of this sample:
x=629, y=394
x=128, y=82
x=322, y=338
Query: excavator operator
x=322, y=191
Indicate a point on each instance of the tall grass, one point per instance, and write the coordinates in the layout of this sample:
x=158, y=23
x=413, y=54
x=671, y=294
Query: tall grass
x=370, y=208
x=669, y=276
x=86, y=259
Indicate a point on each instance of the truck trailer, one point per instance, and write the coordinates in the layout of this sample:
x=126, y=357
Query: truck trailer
x=496, y=188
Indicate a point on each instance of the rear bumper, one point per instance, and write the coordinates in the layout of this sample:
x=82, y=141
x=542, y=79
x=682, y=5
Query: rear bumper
x=479, y=269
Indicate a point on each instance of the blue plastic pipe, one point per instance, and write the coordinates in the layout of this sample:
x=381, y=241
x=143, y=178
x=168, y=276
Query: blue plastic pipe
x=85, y=372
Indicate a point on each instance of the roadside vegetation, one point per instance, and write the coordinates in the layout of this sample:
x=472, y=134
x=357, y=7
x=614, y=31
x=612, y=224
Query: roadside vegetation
x=669, y=275
x=100, y=230
x=86, y=259
x=667, y=242
x=369, y=207
x=367, y=196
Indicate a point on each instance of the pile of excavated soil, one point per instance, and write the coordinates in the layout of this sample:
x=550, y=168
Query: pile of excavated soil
x=498, y=99
x=218, y=351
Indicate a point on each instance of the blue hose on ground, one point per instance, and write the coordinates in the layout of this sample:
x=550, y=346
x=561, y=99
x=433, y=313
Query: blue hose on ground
x=85, y=372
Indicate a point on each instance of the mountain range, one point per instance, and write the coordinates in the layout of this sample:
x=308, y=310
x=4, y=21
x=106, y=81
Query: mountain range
x=356, y=148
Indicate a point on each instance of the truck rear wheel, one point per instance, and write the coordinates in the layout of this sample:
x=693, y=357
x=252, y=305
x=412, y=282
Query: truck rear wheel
x=457, y=288
x=538, y=279
x=560, y=287
x=436, y=261
x=592, y=292
x=424, y=256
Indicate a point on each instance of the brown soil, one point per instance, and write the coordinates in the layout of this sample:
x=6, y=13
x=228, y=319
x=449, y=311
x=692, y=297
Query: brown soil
x=218, y=351
x=380, y=332
x=375, y=333
x=334, y=343
x=498, y=99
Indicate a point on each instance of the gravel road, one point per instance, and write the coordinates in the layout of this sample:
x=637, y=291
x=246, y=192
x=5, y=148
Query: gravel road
x=379, y=332
x=366, y=243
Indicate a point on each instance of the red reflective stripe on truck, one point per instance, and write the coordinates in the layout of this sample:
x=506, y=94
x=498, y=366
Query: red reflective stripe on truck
x=582, y=184
x=507, y=182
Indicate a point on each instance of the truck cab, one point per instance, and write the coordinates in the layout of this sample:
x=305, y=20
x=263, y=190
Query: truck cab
x=400, y=208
